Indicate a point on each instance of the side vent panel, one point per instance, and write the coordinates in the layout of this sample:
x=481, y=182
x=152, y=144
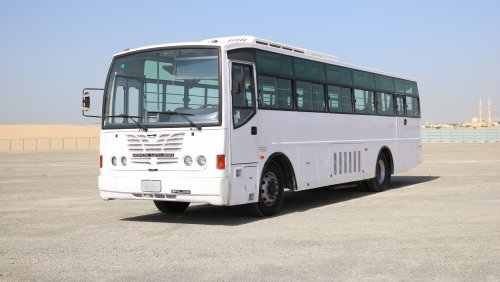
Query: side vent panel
x=345, y=162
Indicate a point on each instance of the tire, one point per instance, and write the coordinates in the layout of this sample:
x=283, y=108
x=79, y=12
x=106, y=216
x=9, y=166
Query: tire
x=171, y=207
x=382, y=175
x=271, y=191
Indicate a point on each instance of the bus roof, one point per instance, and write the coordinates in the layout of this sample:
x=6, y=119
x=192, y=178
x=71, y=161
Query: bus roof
x=245, y=41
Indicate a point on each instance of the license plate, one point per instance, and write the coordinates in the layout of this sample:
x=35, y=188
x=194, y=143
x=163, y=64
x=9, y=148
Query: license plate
x=151, y=186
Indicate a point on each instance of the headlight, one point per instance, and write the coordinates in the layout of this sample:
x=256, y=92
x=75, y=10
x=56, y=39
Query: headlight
x=114, y=161
x=188, y=160
x=201, y=160
x=124, y=161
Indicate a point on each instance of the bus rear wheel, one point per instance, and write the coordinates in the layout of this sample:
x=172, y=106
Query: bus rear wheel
x=382, y=175
x=271, y=191
x=171, y=207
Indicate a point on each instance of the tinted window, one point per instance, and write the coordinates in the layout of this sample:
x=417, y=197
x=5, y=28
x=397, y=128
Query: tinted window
x=364, y=101
x=318, y=97
x=400, y=106
x=285, y=100
x=362, y=79
x=411, y=87
x=338, y=75
x=339, y=99
x=267, y=91
x=412, y=107
x=334, y=98
x=308, y=69
x=346, y=100
x=384, y=83
x=385, y=103
x=275, y=93
x=304, y=96
x=399, y=85
x=274, y=63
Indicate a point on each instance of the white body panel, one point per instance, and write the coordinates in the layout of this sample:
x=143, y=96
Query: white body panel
x=327, y=149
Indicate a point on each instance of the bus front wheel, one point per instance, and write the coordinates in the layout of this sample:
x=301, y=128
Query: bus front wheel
x=270, y=190
x=171, y=207
x=382, y=175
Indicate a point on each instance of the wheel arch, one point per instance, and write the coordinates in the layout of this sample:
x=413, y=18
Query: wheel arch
x=387, y=152
x=286, y=168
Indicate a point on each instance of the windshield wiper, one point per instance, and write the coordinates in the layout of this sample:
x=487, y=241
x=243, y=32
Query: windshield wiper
x=185, y=116
x=140, y=125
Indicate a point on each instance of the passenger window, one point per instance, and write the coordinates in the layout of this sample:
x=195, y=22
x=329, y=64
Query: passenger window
x=346, y=100
x=399, y=85
x=384, y=83
x=411, y=87
x=412, y=107
x=364, y=101
x=275, y=93
x=285, y=101
x=267, y=91
x=363, y=79
x=304, y=96
x=385, y=104
x=318, y=97
x=274, y=63
x=334, y=96
x=338, y=75
x=308, y=69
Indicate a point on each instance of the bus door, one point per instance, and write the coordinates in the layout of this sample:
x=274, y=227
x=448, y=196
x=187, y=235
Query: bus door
x=244, y=142
x=402, y=120
x=244, y=133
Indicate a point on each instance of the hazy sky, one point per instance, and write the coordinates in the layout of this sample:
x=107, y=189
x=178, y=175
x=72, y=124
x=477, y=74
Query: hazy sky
x=51, y=50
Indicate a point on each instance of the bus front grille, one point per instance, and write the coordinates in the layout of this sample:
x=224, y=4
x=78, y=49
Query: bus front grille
x=153, y=150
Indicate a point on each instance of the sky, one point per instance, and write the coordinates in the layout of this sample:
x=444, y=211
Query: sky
x=51, y=50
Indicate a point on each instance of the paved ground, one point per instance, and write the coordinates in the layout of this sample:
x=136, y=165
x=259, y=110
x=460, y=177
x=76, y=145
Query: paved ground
x=440, y=221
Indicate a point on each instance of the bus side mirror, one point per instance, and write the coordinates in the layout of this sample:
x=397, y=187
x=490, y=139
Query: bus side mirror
x=86, y=102
x=87, y=92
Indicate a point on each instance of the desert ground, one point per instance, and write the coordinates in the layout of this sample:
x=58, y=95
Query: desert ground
x=20, y=131
x=53, y=137
x=439, y=221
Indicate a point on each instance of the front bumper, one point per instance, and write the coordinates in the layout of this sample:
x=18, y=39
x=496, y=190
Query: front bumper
x=214, y=191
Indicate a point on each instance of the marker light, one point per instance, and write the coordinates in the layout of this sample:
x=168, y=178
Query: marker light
x=114, y=161
x=124, y=161
x=100, y=161
x=188, y=160
x=201, y=160
x=221, y=162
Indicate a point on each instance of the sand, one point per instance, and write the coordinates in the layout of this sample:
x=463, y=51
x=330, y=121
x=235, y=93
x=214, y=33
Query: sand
x=29, y=137
x=22, y=131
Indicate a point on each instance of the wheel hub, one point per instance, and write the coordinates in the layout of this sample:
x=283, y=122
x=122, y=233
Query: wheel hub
x=269, y=188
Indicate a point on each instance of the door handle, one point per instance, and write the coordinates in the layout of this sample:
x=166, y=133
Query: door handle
x=406, y=121
x=253, y=130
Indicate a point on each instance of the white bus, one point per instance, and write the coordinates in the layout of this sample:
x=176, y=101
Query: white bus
x=237, y=120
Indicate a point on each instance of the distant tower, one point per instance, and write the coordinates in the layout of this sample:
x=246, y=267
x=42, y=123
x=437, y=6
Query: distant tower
x=480, y=121
x=490, y=114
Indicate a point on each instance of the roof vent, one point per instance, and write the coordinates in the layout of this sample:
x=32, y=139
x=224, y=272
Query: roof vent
x=251, y=39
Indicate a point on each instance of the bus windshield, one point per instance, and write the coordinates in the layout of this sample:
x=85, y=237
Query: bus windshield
x=164, y=88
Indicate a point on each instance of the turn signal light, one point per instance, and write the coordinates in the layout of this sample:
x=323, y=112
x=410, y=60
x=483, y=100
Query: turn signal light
x=221, y=162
